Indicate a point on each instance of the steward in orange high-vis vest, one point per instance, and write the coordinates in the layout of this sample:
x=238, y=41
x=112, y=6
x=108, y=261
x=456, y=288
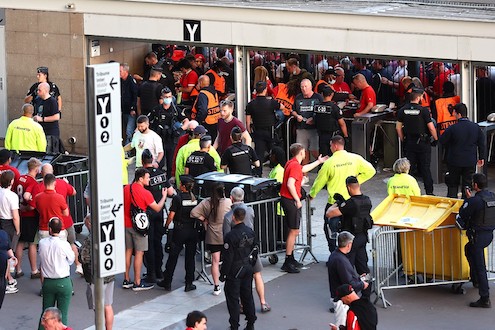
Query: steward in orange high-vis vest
x=445, y=106
x=282, y=96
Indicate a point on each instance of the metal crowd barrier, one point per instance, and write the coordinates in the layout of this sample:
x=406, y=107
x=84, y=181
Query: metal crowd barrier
x=77, y=204
x=405, y=258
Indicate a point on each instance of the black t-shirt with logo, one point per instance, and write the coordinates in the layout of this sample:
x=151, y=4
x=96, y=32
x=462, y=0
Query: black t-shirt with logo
x=47, y=108
x=306, y=107
x=238, y=158
x=262, y=111
x=200, y=162
x=414, y=118
x=158, y=180
x=326, y=117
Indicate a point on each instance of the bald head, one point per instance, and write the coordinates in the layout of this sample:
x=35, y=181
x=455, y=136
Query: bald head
x=44, y=90
x=192, y=125
x=360, y=81
x=306, y=88
x=46, y=169
x=204, y=81
x=28, y=110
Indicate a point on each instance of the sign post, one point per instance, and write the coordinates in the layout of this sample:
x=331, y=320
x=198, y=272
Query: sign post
x=105, y=155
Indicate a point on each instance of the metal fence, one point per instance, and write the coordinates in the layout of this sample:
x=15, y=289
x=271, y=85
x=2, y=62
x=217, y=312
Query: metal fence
x=405, y=258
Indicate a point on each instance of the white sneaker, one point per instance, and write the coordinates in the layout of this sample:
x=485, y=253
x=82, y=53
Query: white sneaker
x=12, y=283
x=11, y=289
x=217, y=290
x=79, y=270
x=305, y=181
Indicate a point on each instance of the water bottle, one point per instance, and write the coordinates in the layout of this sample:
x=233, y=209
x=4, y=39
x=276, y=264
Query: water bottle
x=12, y=265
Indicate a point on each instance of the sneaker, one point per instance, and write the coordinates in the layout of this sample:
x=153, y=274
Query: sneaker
x=305, y=181
x=143, y=286
x=127, y=284
x=190, y=287
x=217, y=290
x=290, y=268
x=166, y=285
x=11, y=289
x=36, y=274
x=18, y=274
x=12, y=283
x=482, y=302
x=79, y=270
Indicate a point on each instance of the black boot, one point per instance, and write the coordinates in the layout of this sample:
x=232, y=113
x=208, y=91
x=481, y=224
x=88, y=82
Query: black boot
x=483, y=302
x=296, y=263
x=289, y=267
x=189, y=287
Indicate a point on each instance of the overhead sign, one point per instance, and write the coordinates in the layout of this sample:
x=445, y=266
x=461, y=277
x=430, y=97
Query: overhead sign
x=192, y=30
x=105, y=136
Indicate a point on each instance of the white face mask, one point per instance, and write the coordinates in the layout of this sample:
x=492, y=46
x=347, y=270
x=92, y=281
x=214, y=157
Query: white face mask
x=294, y=72
x=331, y=82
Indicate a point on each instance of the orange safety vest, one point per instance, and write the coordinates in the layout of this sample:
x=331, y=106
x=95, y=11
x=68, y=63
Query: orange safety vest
x=444, y=118
x=425, y=101
x=283, y=97
x=219, y=83
x=318, y=83
x=194, y=92
x=213, y=108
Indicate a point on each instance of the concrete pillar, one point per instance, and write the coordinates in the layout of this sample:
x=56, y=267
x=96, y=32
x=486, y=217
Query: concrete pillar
x=241, y=68
x=467, y=83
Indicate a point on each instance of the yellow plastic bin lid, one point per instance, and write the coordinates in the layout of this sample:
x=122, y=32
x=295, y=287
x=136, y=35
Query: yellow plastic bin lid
x=415, y=212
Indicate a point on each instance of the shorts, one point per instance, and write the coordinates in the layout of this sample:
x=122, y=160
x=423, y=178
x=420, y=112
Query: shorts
x=308, y=138
x=45, y=233
x=214, y=247
x=71, y=235
x=292, y=213
x=29, y=228
x=107, y=293
x=8, y=226
x=135, y=241
x=258, y=266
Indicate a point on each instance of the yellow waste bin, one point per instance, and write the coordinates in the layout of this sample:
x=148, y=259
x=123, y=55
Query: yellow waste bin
x=437, y=254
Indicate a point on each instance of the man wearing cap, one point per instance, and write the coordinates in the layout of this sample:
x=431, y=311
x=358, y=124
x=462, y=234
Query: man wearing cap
x=340, y=85
x=333, y=174
x=328, y=120
x=47, y=113
x=145, y=138
x=166, y=77
x=42, y=76
x=185, y=234
x=361, y=314
x=261, y=119
x=5, y=160
x=189, y=148
x=128, y=103
x=166, y=121
x=200, y=161
x=356, y=219
x=239, y=157
x=206, y=108
x=200, y=64
x=340, y=269
x=327, y=80
x=154, y=255
x=465, y=145
x=415, y=129
x=188, y=81
x=150, y=92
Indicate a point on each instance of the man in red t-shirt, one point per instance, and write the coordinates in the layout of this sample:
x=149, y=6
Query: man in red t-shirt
x=361, y=313
x=5, y=159
x=49, y=204
x=188, y=81
x=29, y=219
x=225, y=126
x=134, y=241
x=291, y=195
x=368, y=95
x=340, y=86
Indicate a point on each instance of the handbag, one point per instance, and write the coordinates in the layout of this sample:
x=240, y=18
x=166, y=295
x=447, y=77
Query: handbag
x=139, y=218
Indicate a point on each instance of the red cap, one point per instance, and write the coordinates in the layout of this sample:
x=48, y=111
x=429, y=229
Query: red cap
x=201, y=57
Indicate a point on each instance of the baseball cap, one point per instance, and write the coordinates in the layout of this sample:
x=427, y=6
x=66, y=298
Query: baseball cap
x=200, y=130
x=5, y=154
x=205, y=138
x=351, y=179
x=342, y=291
x=157, y=68
x=329, y=71
x=186, y=179
x=42, y=69
x=200, y=56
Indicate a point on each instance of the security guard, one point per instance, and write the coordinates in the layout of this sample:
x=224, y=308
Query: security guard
x=24, y=133
x=239, y=156
x=239, y=256
x=154, y=256
x=414, y=127
x=206, y=109
x=328, y=121
x=185, y=234
x=477, y=216
x=356, y=219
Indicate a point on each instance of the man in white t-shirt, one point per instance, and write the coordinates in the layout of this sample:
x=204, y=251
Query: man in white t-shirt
x=144, y=138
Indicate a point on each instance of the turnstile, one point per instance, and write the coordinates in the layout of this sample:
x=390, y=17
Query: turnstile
x=488, y=128
x=361, y=131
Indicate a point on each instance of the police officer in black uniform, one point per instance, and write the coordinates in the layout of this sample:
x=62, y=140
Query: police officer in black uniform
x=185, y=234
x=477, y=216
x=239, y=157
x=356, y=219
x=239, y=256
x=415, y=128
x=200, y=161
x=165, y=120
x=154, y=256
x=328, y=120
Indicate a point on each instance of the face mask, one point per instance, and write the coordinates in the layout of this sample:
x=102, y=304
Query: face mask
x=331, y=82
x=167, y=100
x=294, y=72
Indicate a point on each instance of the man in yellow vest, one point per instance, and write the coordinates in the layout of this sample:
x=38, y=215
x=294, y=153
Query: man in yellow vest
x=24, y=133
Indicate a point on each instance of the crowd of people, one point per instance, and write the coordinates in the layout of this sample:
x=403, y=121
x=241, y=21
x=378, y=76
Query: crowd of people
x=179, y=118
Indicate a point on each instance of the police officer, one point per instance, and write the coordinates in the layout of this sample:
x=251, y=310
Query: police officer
x=328, y=121
x=356, y=219
x=465, y=149
x=239, y=157
x=154, y=256
x=239, y=256
x=477, y=216
x=185, y=234
x=414, y=127
x=165, y=120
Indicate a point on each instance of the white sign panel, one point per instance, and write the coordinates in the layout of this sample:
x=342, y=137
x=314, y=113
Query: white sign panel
x=106, y=165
